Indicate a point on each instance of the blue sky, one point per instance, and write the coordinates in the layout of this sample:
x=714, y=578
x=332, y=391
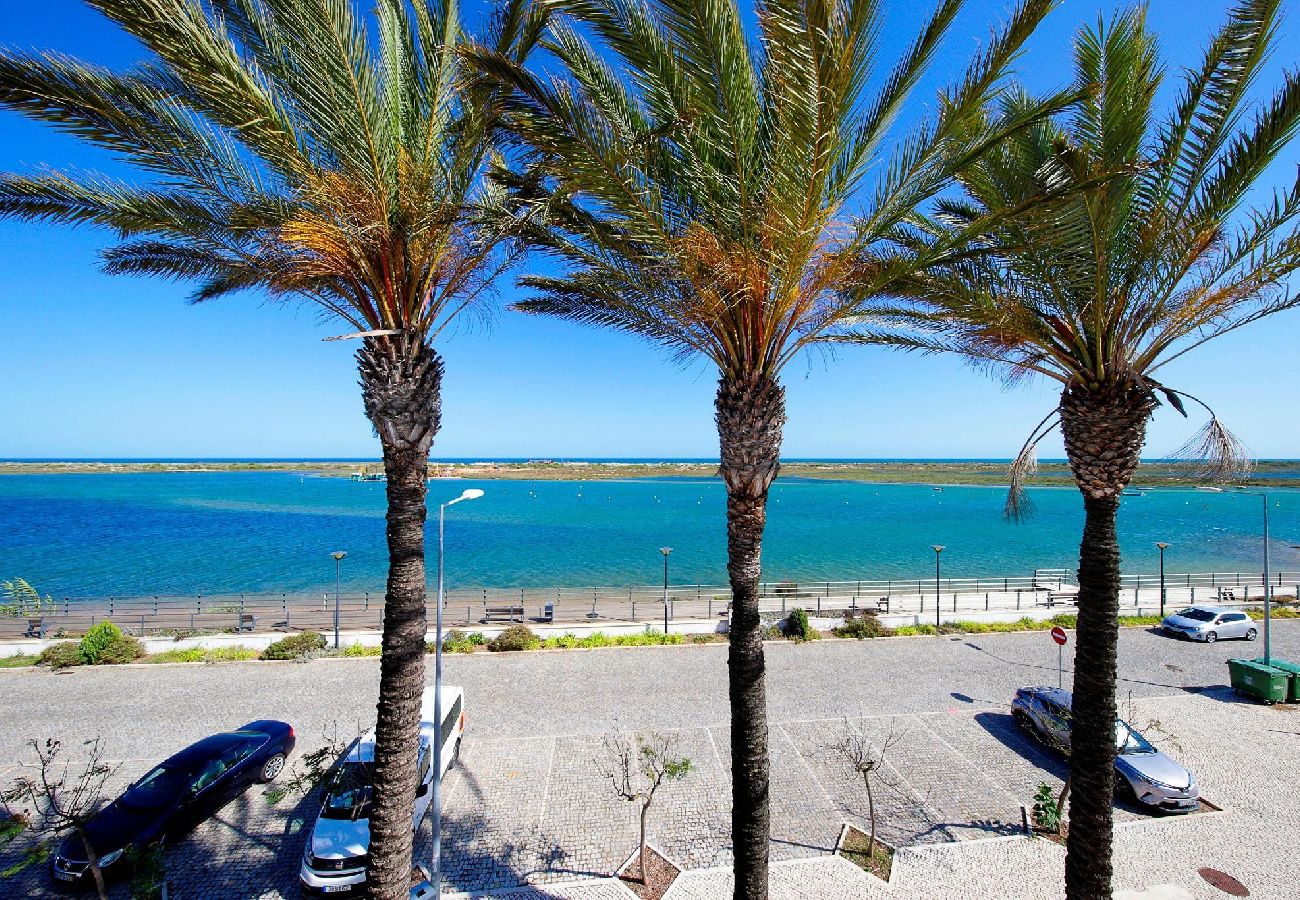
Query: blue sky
x=102, y=367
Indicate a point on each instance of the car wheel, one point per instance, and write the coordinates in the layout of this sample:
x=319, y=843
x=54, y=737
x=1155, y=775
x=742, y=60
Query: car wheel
x=1251, y=634
x=455, y=757
x=1210, y=637
x=272, y=768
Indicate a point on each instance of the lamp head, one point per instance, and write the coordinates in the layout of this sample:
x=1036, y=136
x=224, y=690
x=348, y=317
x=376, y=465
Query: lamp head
x=1162, y=545
x=339, y=554
x=469, y=494
x=938, y=548
x=665, y=550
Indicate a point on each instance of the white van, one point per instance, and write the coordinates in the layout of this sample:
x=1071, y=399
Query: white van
x=334, y=861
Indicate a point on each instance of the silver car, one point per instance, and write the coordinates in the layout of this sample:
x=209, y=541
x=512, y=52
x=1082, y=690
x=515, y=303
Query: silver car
x=1210, y=623
x=1153, y=779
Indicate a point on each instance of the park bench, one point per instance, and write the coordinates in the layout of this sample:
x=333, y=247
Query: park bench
x=247, y=622
x=36, y=628
x=502, y=614
x=548, y=613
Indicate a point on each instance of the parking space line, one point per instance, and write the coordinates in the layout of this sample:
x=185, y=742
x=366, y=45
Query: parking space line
x=806, y=764
x=969, y=763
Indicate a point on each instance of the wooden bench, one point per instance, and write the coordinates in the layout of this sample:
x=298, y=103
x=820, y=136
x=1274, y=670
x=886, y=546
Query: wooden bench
x=247, y=622
x=36, y=628
x=502, y=614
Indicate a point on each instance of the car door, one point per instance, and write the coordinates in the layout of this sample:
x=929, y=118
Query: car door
x=1056, y=722
x=425, y=782
x=1237, y=624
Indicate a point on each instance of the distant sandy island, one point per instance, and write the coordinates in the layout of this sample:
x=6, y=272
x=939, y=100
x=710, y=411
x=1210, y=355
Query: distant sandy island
x=1275, y=473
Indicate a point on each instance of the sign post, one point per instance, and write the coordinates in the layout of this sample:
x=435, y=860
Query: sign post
x=1058, y=635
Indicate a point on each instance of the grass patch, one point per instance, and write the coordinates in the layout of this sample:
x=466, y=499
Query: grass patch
x=32, y=856
x=1278, y=612
x=600, y=639
x=360, y=649
x=854, y=849
x=236, y=653
x=18, y=661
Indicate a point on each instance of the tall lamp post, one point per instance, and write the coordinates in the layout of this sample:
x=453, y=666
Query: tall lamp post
x=1268, y=592
x=665, y=551
x=338, y=563
x=1163, y=547
x=938, y=548
x=436, y=803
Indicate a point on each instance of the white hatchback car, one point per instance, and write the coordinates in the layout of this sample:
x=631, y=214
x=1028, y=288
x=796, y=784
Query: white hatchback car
x=334, y=862
x=1210, y=623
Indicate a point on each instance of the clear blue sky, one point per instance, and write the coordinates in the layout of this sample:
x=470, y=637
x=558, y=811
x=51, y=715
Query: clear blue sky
x=100, y=366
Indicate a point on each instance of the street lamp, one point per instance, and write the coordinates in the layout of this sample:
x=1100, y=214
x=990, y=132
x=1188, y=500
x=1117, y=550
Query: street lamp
x=1163, y=547
x=436, y=803
x=1268, y=592
x=665, y=551
x=338, y=562
x=938, y=548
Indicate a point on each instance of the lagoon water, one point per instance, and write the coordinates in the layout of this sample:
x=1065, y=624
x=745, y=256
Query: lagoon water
x=214, y=533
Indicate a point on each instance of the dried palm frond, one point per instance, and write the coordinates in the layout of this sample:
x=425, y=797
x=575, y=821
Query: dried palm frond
x=1019, y=506
x=1214, y=454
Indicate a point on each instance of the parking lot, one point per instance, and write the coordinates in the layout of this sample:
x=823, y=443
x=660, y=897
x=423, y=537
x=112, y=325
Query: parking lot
x=529, y=804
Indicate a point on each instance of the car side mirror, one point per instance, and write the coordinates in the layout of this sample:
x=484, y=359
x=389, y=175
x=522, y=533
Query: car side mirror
x=422, y=790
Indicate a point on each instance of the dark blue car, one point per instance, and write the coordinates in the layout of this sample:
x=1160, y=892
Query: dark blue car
x=175, y=796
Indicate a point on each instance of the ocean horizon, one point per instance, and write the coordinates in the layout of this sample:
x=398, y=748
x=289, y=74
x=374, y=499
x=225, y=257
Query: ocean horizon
x=185, y=534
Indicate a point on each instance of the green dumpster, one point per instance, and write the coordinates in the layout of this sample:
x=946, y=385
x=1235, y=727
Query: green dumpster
x=1293, y=693
x=1258, y=680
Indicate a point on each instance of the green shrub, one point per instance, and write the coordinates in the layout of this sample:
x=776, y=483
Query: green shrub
x=457, y=641
x=711, y=637
x=62, y=655
x=1047, y=812
x=863, y=626
x=359, y=649
x=796, y=625
x=647, y=639
x=98, y=639
x=516, y=637
x=295, y=646
x=122, y=649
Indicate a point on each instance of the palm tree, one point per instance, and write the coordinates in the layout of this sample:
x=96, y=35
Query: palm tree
x=300, y=148
x=692, y=183
x=1115, y=240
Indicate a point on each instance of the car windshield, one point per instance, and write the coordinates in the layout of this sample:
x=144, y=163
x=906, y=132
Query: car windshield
x=1129, y=741
x=160, y=787
x=1199, y=615
x=349, y=792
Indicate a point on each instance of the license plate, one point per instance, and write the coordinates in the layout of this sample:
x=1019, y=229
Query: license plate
x=64, y=876
x=337, y=888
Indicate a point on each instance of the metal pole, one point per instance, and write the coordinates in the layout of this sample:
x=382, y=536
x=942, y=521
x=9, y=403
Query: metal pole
x=1268, y=593
x=437, y=717
x=665, y=551
x=1163, y=546
x=938, y=548
x=338, y=563
x=1060, y=662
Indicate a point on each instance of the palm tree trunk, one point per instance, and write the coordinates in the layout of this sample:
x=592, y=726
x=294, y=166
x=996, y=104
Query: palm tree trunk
x=1104, y=429
x=401, y=382
x=750, y=415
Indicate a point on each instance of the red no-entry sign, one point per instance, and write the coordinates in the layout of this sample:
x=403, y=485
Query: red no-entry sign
x=1058, y=635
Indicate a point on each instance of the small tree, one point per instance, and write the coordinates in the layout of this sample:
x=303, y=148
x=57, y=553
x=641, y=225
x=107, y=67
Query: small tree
x=21, y=599
x=865, y=759
x=55, y=798
x=636, y=769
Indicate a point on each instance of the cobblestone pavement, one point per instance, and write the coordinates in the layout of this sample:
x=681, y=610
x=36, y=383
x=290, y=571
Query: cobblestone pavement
x=528, y=803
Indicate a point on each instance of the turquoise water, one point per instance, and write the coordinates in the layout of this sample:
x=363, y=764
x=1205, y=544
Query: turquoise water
x=210, y=533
